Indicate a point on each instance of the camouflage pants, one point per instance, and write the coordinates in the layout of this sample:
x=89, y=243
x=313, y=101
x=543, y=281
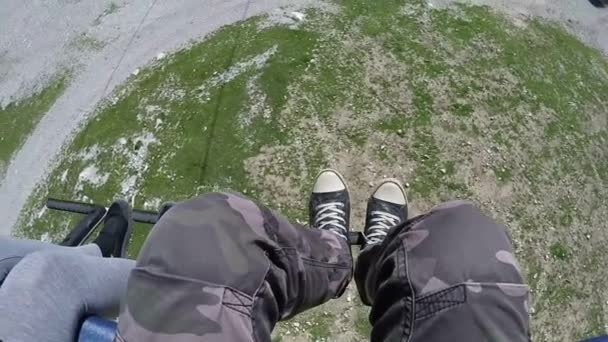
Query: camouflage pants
x=448, y=275
x=222, y=268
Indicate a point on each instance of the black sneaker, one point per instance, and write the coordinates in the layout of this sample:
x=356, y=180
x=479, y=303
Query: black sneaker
x=386, y=208
x=329, y=206
x=113, y=238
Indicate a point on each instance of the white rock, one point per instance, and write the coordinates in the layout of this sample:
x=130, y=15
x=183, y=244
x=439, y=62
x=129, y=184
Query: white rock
x=296, y=324
x=407, y=185
x=443, y=171
x=135, y=72
x=297, y=16
x=160, y=56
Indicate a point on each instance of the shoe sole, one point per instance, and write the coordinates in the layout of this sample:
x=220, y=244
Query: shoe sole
x=125, y=208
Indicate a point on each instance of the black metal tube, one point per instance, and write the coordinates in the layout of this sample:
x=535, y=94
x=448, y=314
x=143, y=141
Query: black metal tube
x=145, y=216
x=71, y=206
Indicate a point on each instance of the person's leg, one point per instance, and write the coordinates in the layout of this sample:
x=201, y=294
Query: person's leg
x=13, y=250
x=112, y=240
x=449, y=275
x=47, y=294
x=228, y=269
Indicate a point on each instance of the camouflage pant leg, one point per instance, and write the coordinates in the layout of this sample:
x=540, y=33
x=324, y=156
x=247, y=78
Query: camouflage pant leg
x=222, y=268
x=449, y=275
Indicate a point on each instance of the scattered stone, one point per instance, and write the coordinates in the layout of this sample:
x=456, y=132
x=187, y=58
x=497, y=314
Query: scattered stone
x=400, y=132
x=297, y=16
x=407, y=185
x=371, y=184
x=349, y=298
x=309, y=323
x=160, y=56
x=588, y=236
x=443, y=171
x=296, y=324
x=382, y=147
x=135, y=72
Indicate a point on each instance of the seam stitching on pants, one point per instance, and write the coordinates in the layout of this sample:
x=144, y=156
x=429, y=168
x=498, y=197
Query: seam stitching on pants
x=235, y=308
x=198, y=281
x=237, y=296
x=413, y=298
x=313, y=262
x=255, y=299
x=449, y=303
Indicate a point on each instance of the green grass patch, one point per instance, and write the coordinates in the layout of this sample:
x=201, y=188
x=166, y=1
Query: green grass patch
x=112, y=8
x=18, y=119
x=560, y=251
x=85, y=42
x=362, y=325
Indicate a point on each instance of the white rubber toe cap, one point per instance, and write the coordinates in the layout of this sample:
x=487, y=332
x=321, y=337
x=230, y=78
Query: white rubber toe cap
x=391, y=191
x=328, y=181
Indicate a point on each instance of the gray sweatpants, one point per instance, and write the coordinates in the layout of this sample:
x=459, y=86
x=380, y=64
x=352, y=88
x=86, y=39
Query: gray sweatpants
x=51, y=288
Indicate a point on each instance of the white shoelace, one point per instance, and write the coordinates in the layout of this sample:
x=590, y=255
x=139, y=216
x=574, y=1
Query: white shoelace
x=330, y=215
x=381, y=222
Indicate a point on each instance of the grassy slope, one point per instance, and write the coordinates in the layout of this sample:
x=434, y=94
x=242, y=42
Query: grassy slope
x=458, y=103
x=18, y=119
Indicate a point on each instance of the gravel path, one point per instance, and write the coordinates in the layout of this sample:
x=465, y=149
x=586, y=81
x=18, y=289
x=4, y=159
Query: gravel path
x=580, y=16
x=39, y=38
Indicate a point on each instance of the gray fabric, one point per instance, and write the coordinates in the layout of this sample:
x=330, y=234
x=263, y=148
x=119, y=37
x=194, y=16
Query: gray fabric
x=448, y=275
x=13, y=250
x=221, y=267
x=48, y=292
